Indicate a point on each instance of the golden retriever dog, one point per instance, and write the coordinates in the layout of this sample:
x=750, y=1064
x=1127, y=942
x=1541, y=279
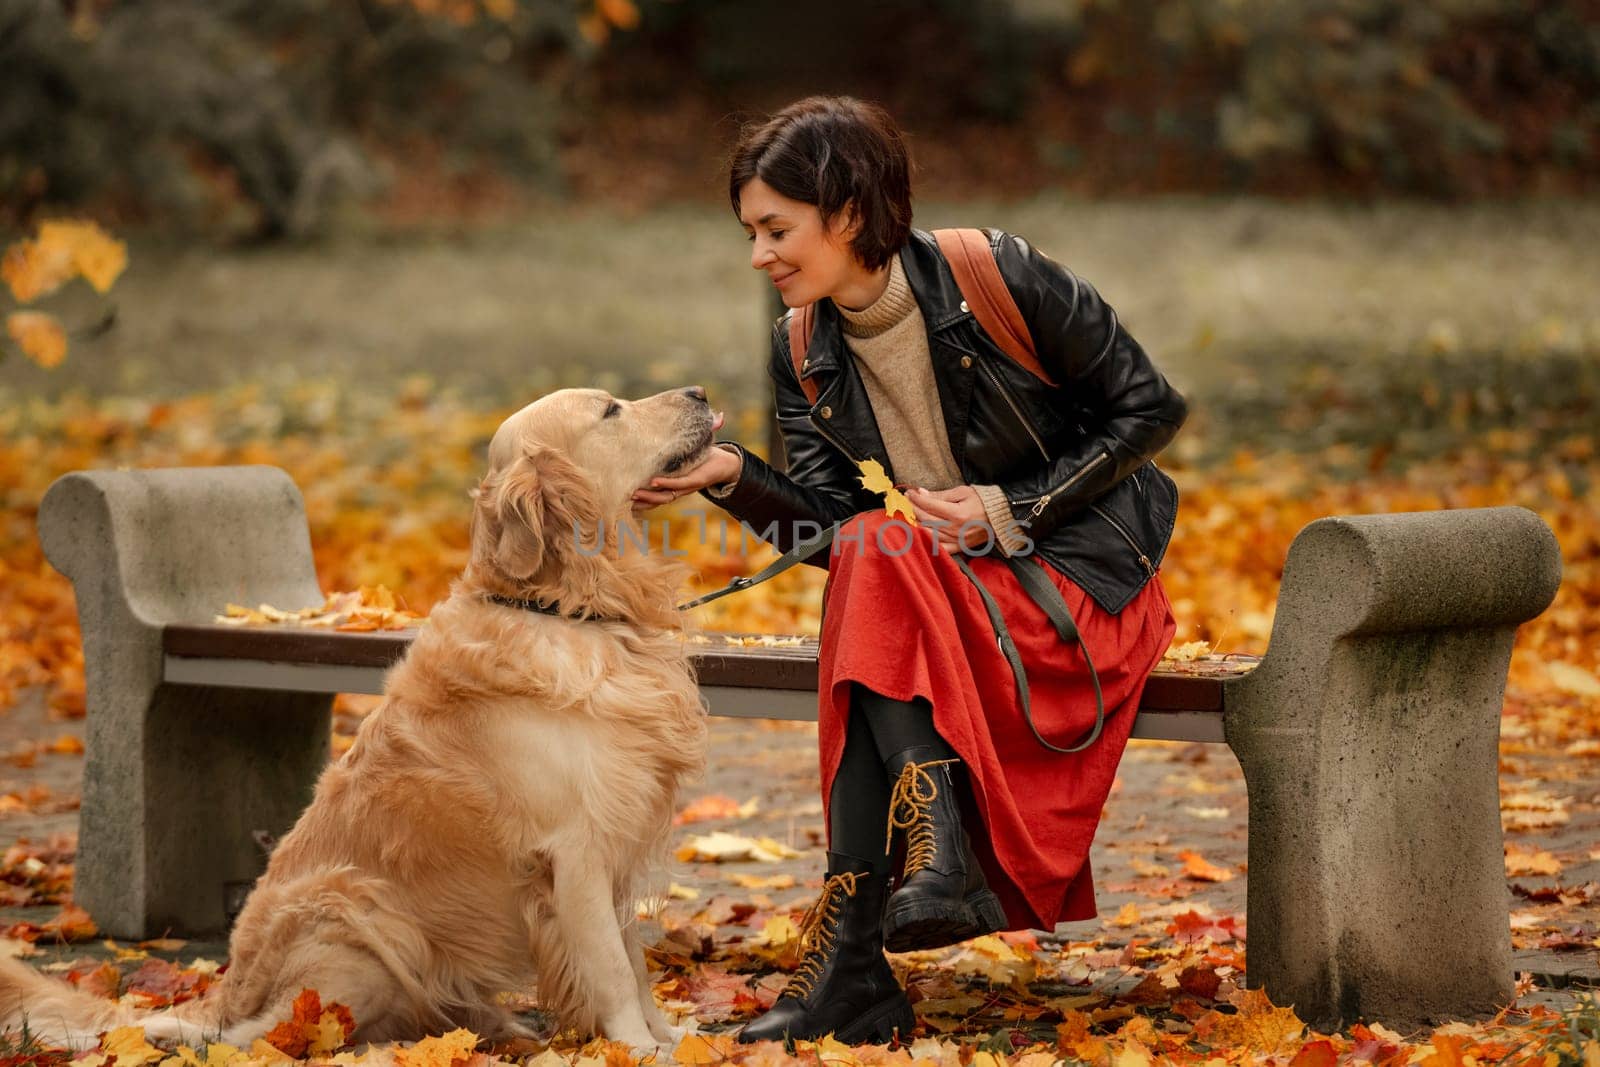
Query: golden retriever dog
x=499, y=815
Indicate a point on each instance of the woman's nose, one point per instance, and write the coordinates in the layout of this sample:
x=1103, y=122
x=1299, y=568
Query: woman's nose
x=760, y=255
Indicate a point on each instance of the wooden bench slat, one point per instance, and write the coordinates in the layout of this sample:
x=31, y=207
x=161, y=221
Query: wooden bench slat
x=199, y=654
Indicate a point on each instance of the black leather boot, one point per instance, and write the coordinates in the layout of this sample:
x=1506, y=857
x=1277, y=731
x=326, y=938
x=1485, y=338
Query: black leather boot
x=942, y=897
x=844, y=985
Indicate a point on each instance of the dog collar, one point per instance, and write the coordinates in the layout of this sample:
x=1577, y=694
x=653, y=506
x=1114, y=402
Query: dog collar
x=544, y=609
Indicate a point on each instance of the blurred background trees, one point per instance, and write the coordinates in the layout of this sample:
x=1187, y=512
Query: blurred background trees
x=272, y=119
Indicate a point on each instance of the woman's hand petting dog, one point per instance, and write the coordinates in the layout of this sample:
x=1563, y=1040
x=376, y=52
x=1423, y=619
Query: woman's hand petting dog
x=722, y=464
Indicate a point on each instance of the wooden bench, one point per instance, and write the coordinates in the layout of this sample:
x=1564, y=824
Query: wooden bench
x=748, y=681
x=1367, y=734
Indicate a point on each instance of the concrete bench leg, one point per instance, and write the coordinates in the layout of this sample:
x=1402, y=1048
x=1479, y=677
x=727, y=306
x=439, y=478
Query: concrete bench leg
x=177, y=777
x=1368, y=738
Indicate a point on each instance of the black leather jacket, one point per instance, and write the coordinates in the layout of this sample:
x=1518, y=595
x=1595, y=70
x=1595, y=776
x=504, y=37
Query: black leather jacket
x=1073, y=460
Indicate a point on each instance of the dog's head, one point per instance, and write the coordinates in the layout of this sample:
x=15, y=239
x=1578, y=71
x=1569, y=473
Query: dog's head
x=562, y=472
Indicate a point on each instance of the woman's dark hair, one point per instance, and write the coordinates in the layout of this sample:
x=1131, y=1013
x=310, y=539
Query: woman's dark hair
x=834, y=151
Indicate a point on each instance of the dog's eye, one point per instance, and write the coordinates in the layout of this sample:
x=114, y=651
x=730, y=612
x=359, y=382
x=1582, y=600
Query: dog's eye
x=613, y=410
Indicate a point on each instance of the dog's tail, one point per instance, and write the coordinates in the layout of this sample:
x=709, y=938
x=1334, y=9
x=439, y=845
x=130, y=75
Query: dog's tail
x=59, y=1014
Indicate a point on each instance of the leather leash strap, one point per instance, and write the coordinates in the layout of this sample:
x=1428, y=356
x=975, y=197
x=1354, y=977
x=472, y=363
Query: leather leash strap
x=797, y=554
x=1034, y=582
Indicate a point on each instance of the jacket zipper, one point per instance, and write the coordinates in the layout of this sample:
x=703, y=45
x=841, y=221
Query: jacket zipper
x=1044, y=500
x=1144, y=560
x=1016, y=410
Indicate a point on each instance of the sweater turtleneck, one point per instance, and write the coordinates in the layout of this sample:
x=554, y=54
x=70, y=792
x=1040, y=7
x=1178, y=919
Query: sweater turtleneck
x=892, y=305
x=888, y=342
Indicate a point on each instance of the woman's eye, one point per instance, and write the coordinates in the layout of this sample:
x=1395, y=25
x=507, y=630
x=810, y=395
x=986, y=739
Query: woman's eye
x=777, y=235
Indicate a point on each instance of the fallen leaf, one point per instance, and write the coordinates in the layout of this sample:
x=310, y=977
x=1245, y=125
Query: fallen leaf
x=1198, y=868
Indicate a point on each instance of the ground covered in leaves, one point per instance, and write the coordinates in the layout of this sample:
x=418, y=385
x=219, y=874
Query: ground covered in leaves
x=1161, y=977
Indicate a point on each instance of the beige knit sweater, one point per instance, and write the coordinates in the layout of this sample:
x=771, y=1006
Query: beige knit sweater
x=889, y=342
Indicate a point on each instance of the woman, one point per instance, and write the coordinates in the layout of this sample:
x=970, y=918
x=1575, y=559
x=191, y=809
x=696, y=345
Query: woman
x=924, y=743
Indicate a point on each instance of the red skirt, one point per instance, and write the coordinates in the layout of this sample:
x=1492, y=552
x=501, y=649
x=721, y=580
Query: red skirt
x=912, y=624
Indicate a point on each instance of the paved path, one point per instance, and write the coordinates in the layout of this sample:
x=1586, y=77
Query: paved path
x=1169, y=798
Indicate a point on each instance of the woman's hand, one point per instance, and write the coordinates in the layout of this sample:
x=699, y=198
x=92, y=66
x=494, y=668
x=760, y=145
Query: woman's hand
x=956, y=510
x=720, y=465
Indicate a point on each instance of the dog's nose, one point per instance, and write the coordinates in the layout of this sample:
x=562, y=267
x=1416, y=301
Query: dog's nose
x=697, y=392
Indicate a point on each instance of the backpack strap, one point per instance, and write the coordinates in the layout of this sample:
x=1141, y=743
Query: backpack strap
x=977, y=275
x=801, y=322
x=972, y=261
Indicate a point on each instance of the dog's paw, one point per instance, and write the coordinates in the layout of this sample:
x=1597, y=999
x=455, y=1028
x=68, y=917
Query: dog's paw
x=641, y=1040
x=667, y=1036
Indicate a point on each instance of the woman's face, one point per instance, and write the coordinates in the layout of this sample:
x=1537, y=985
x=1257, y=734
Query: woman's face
x=805, y=260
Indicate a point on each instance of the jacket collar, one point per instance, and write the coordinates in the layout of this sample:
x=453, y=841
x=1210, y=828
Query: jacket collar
x=839, y=384
x=931, y=282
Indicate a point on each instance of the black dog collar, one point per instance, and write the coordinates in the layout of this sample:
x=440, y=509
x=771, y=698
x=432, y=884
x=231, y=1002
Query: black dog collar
x=544, y=609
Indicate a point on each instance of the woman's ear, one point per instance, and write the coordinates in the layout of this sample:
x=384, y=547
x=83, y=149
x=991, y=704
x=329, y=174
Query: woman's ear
x=525, y=512
x=846, y=225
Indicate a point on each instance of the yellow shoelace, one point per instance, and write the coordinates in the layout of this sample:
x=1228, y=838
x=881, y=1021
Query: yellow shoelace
x=910, y=809
x=817, y=931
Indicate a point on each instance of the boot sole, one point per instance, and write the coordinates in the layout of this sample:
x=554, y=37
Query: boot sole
x=931, y=924
x=893, y=1018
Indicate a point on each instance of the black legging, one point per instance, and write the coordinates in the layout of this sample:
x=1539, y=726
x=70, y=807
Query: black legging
x=858, y=806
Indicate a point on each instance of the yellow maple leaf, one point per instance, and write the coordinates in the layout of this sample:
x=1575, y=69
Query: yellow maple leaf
x=876, y=481
x=1001, y=963
x=697, y=1049
x=263, y=1051
x=779, y=932
x=39, y=335
x=831, y=1050
x=1132, y=1054
x=220, y=1055
x=327, y=1035
x=1257, y=1026
x=128, y=1045
x=439, y=1051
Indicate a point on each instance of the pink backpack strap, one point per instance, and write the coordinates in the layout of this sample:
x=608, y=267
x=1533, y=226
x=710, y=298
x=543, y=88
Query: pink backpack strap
x=801, y=322
x=977, y=274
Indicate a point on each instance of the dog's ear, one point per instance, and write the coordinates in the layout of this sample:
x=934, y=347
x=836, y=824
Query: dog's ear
x=528, y=511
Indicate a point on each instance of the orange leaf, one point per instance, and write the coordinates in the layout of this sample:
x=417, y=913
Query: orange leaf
x=39, y=335
x=33, y=269
x=1315, y=1054
x=442, y=1051
x=291, y=1037
x=1449, y=1051
x=98, y=256
x=1197, y=867
x=620, y=13
x=1257, y=1025
x=73, y=924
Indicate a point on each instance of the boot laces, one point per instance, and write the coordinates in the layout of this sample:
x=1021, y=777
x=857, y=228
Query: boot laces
x=817, y=932
x=911, y=810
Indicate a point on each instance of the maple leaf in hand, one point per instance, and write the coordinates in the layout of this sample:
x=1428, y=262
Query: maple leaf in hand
x=876, y=481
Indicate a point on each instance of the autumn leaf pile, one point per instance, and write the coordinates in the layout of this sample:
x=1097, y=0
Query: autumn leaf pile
x=386, y=482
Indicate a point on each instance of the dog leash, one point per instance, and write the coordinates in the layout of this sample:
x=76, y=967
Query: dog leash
x=1038, y=587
